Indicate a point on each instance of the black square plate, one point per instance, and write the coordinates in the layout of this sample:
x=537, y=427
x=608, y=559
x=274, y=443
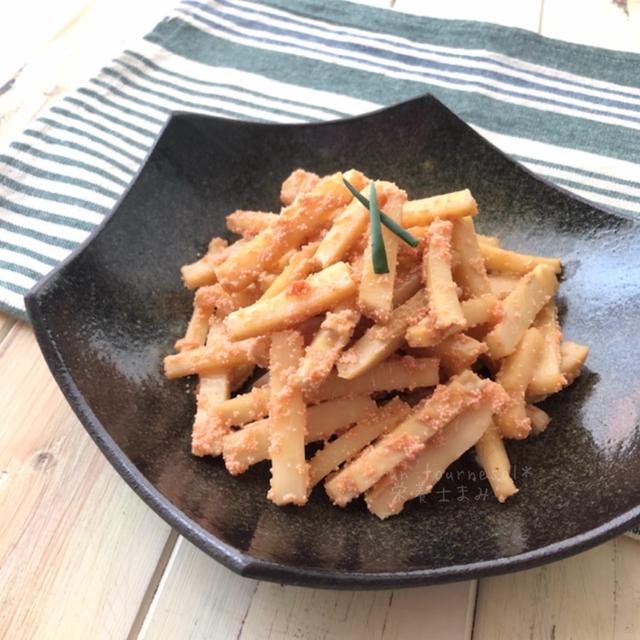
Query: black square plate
x=107, y=316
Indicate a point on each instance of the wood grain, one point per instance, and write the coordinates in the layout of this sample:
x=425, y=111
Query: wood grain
x=278, y=612
x=44, y=59
x=600, y=23
x=81, y=556
x=593, y=595
x=77, y=546
x=524, y=13
x=198, y=598
x=6, y=322
x=21, y=35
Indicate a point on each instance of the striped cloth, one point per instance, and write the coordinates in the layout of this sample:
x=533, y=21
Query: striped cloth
x=569, y=113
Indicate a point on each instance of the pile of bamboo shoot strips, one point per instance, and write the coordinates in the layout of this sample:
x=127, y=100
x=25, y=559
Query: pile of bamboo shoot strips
x=397, y=373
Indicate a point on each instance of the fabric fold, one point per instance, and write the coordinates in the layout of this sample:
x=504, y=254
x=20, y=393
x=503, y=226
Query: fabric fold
x=569, y=113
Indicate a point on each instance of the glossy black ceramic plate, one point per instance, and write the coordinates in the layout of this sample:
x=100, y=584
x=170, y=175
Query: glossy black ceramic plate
x=106, y=317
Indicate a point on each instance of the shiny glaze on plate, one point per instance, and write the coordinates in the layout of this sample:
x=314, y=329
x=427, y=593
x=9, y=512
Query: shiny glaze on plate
x=107, y=316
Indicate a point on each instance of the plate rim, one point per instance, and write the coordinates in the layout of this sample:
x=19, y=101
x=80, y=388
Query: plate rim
x=244, y=563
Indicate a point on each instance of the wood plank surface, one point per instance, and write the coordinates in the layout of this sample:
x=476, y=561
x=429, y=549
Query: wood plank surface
x=198, y=598
x=22, y=35
x=44, y=59
x=81, y=556
x=524, y=13
x=6, y=322
x=77, y=546
x=284, y=612
x=593, y=595
x=278, y=613
x=599, y=23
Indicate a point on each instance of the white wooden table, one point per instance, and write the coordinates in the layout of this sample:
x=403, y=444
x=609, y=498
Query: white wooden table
x=82, y=557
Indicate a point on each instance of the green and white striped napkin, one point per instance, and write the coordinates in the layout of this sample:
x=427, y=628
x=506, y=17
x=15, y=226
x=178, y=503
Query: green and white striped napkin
x=569, y=113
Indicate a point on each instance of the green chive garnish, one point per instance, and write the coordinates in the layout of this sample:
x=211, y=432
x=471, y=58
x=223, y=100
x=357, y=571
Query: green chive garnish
x=378, y=253
x=388, y=222
x=356, y=194
x=401, y=232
